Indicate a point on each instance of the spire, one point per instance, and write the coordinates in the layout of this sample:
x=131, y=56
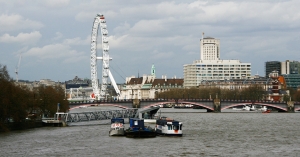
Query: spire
x=153, y=70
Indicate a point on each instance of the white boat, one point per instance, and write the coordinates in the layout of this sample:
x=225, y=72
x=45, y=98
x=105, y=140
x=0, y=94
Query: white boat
x=264, y=108
x=168, y=127
x=83, y=107
x=253, y=108
x=117, y=127
x=237, y=109
x=246, y=108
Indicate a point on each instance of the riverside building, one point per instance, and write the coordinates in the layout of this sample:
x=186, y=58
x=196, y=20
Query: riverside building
x=290, y=70
x=210, y=67
x=148, y=86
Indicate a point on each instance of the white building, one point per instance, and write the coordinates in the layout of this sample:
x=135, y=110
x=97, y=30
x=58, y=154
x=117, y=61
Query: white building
x=148, y=86
x=290, y=67
x=211, y=67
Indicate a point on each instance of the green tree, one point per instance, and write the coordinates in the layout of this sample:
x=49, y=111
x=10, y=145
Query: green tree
x=16, y=101
x=49, y=97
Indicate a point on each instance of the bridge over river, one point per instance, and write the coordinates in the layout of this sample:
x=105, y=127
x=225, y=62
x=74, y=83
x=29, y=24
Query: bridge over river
x=212, y=105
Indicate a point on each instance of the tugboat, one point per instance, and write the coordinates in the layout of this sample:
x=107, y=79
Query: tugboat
x=117, y=127
x=168, y=127
x=138, y=130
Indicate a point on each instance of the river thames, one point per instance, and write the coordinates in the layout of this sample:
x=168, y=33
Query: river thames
x=204, y=134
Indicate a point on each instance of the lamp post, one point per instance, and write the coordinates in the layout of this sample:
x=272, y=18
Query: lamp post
x=83, y=96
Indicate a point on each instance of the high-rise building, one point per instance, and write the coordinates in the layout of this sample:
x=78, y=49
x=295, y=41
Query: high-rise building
x=211, y=67
x=209, y=49
x=272, y=66
x=290, y=67
x=286, y=67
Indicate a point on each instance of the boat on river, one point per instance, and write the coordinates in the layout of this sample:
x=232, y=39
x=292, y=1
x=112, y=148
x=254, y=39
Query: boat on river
x=117, y=127
x=137, y=129
x=246, y=108
x=253, y=108
x=263, y=109
x=267, y=111
x=168, y=127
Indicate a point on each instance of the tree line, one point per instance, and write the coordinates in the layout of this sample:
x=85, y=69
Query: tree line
x=19, y=103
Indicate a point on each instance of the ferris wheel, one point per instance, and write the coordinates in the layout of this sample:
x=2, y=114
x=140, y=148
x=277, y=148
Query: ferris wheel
x=100, y=94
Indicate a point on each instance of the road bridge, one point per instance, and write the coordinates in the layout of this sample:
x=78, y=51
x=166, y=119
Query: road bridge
x=212, y=105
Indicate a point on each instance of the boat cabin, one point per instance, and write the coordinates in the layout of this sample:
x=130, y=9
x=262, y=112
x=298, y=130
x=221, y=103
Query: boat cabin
x=136, y=124
x=171, y=123
x=168, y=126
x=117, y=120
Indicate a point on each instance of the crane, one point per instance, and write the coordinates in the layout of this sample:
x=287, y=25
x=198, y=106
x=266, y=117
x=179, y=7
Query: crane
x=17, y=68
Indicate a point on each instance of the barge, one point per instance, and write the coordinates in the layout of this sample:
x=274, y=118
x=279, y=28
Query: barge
x=137, y=129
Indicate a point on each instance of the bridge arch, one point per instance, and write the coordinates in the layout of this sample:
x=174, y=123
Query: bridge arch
x=90, y=105
x=182, y=102
x=158, y=104
x=249, y=103
x=198, y=104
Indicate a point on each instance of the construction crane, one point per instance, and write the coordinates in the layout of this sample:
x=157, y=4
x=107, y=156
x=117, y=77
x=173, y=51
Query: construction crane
x=17, y=68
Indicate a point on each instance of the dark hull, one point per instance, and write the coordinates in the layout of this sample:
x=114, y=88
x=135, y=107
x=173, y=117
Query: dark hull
x=140, y=134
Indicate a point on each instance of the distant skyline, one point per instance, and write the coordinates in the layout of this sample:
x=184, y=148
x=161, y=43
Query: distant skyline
x=53, y=36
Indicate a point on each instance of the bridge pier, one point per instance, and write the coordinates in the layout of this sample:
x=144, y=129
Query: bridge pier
x=217, y=105
x=290, y=107
x=136, y=103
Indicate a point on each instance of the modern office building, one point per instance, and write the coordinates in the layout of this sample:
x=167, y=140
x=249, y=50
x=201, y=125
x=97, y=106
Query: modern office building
x=271, y=66
x=211, y=67
x=290, y=67
x=292, y=80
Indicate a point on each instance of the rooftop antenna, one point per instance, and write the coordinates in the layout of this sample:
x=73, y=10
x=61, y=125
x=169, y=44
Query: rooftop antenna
x=202, y=35
x=17, y=68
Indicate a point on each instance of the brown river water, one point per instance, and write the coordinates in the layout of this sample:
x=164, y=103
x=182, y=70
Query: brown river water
x=204, y=134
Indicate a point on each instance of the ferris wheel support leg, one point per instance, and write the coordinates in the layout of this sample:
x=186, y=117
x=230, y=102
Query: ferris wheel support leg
x=114, y=83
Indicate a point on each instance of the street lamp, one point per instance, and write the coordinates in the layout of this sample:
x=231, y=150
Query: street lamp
x=83, y=96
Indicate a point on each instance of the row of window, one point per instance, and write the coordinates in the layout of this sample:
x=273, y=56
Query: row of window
x=223, y=68
x=223, y=65
x=221, y=75
x=204, y=72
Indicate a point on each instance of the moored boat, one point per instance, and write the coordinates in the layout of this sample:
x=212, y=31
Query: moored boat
x=117, y=127
x=137, y=129
x=169, y=127
x=263, y=108
x=246, y=108
x=267, y=111
x=253, y=108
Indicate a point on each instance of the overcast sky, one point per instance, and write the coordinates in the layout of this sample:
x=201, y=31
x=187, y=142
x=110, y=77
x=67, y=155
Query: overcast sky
x=53, y=36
